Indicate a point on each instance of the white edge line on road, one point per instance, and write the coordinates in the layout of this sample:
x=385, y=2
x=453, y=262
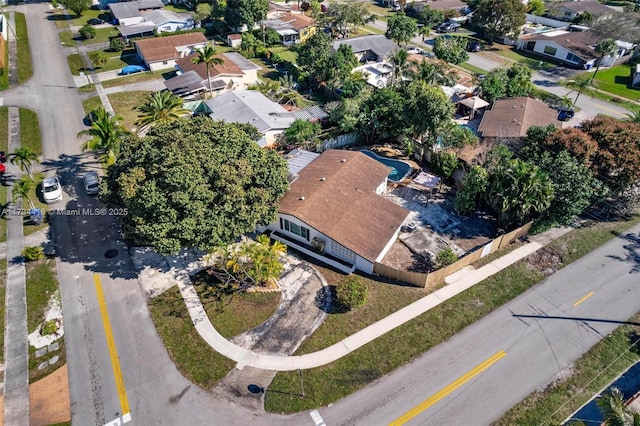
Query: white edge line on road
x=317, y=419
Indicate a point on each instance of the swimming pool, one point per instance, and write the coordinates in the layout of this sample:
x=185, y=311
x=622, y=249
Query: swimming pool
x=399, y=171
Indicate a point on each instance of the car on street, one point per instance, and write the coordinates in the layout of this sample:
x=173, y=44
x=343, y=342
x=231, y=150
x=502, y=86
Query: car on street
x=91, y=183
x=131, y=69
x=447, y=27
x=566, y=114
x=474, y=46
x=95, y=21
x=51, y=190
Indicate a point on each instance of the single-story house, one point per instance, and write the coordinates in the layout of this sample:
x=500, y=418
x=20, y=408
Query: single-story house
x=167, y=21
x=292, y=28
x=369, y=48
x=334, y=211
x=441, y=5
x=252, y=107
x=235, y=73
x=568, y=11
x=276, y=10
x=575, y=48
x=130, y=13
x=377, y=74
x=509, y=119
x=162, y=52
x=234, y=40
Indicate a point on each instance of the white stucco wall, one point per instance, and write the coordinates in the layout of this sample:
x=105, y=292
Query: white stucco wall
x=131, y=21
x=161, y=65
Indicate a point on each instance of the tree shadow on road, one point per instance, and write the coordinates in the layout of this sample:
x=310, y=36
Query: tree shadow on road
x=633, y=251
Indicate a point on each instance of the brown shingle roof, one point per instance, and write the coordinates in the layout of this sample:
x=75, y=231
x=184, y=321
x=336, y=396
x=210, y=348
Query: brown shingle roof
x=344, y=206
x=512, y=117
x=227, y=68
x=298, y=21
x=578, y=42
x=592, y=7
x=164, y=48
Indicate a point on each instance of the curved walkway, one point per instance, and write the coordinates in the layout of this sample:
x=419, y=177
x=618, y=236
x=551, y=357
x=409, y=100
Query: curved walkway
x=246, y=357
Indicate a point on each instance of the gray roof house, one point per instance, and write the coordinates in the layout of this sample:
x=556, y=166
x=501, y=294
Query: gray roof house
x=568, y=11
x=252, y=107
x=130, y=13
x=369, y=48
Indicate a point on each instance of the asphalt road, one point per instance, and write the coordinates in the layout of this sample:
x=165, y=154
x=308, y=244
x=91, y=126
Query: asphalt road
x=541, y=332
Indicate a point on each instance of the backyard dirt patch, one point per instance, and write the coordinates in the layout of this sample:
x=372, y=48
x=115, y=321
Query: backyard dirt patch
x=49, y=399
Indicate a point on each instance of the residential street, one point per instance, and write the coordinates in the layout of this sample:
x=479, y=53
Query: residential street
x=96, y=275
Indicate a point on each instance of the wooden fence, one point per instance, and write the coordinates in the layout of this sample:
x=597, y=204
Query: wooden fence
x=426, y=279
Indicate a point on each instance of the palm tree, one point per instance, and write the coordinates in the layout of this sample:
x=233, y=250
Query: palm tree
x=23, y=157
x=160, y=107
x=399, y=59
x=606, y=47
x=615, y=412
x=580, y=84
x=565, y=101
x=424, y=31
x=106, y=135
x=634, y=117
x=207, y=56
x=21, y=190
x=435, y=73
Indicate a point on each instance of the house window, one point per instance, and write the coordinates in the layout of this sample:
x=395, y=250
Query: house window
x=338, y=250
x=572, y=58
x=550, y=50
x=294, y=228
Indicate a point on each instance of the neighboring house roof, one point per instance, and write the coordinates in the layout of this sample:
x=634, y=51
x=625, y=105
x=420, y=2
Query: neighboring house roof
x=234, y=37
x=166, y=48
x=132, y=9
x=188, y=82
x=335, y=194
x=251, y=107
x=592, y=7
x=163, y=17
x=445, y=5
x=313, y=113
x=377, y=43
x=298, y=159
x=579, y=43
x=228, y=66
x=512, y=117
x=136, y=29
x=288, y=22
x=243, y=63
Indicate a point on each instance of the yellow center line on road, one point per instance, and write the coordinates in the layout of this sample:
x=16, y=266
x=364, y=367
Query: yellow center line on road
x=113, y=353
x=447, y=390
x=584, y=298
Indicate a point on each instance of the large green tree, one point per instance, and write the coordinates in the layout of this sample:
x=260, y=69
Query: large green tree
x=451, y=49
x=471, y=189
x=77, y=6
x=494, y=86
x=195, y=183
x=437, y=73
x=245, y=12
x=381, y=115
x=401, y=28
x=347, y=17
x=507, y=82
x=302, y=133
x=106, y=134
x=500, y=17
x=519, y=81
x=323, y=65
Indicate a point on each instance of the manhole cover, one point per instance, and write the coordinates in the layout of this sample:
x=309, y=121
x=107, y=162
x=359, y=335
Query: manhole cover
x=111, y=253
x=255, y=389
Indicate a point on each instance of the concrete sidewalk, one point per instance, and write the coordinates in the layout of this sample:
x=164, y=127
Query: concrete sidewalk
x=246, y=357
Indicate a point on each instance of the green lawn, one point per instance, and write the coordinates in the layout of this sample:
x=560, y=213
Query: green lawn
x=135, y=78
x=115, y=60
x=521, y=57
x=472, y=68
x=102, y=35
x=79, y=21
x=91, y=104
x=66, y=37
x=367, y=29
x=285, y=53
x=123, y=104
x=76, y=64
x=329, y=383
x=617, y=81
x=25, y=70
x=3, y=284
x=35, y=195
x=4, y=146
x=41, y=285
x=197, y=361
x=590, y=374
x=30, y=131
x=4, y=74
x=234, y=315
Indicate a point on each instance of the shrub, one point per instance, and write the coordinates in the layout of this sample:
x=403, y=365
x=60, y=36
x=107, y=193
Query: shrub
x=446, y=257
x=33, y=253
x=49, y=327
x=87, y=32
x=351, y=292
x=116, y=45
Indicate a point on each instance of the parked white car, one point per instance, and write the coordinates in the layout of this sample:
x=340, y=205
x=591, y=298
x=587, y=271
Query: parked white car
x=91, y=183
x=51, y=190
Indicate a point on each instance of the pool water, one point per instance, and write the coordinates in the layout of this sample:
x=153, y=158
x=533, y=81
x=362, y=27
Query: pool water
x=399, y=169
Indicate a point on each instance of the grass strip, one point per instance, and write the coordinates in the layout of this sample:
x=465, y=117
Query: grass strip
x=4, y=146
x=25, y=69
x=196, y=360
x=41, y=284
x=595, y=370
x=30, y=131
x=331, y=382
x=3, y=286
